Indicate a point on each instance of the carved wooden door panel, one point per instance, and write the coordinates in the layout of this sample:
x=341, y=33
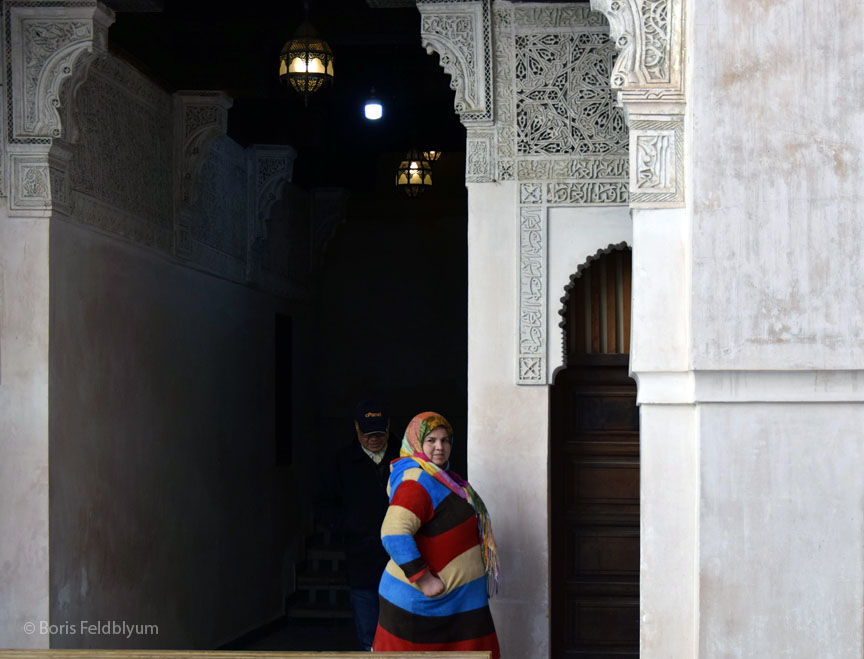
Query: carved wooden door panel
x=594, y=481
x=595, y=513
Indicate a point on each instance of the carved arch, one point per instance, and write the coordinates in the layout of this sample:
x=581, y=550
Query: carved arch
x=575, y=280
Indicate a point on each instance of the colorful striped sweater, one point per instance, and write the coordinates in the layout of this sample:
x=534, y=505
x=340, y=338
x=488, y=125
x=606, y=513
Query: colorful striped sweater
x=429, y=528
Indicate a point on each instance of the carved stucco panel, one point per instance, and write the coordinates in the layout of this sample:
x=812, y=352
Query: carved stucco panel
x=460, y=31
x=532, y=295
x=46, y=48
x=201, y=118
x=31, y=182
x=563, y=101
x=219, y=219
x=648, y=35
x=271, y=168
x=480, y=156
x=649, y=78
x=657, y=162
x=127, y=142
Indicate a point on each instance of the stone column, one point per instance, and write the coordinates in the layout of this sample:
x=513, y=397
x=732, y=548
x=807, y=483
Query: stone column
x=49, y=47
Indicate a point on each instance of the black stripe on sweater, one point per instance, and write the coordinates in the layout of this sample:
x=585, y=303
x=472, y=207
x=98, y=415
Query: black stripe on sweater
x=413, y=567
x=449, y=513
x=435, y=629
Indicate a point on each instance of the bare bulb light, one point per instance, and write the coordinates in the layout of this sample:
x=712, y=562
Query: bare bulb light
x=373, y=110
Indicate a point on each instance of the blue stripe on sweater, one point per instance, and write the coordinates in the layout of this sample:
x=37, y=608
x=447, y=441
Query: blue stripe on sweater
x=437, y=491
x=402, y=548
x=467, y=597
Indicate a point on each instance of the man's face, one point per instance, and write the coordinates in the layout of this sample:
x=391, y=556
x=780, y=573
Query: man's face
x=374, y=441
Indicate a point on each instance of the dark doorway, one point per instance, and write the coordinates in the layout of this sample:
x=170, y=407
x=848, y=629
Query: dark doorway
x=594, y=470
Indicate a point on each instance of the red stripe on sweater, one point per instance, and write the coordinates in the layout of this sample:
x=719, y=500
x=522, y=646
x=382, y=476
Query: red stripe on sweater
x=414, y=497
x=387, y=642
x=439, y=550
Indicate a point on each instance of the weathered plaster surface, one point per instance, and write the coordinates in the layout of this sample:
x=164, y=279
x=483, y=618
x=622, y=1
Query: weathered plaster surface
x=23, y=428
x=780, y=530
x=777, y=198
x=507, y=426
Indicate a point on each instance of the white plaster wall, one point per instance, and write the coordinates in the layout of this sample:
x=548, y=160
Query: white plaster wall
x=669, y=479
x=167, y=507
x=507, y=425
x=781, y=528
x=23, y=429
x=777, y=134
x=661, y=295
x=574, y=235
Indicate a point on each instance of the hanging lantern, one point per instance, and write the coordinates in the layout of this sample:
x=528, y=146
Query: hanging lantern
x=414, y=174
x=306, y=61
x=431, y=156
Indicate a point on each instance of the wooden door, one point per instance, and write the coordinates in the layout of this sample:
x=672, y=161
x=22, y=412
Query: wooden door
x=594, y=473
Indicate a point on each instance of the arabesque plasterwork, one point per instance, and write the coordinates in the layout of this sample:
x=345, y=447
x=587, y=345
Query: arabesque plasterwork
x=649, y=80
x=89, y=140
x=566, y=80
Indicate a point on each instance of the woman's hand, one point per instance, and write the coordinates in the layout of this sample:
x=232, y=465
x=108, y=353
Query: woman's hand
x=431, y=585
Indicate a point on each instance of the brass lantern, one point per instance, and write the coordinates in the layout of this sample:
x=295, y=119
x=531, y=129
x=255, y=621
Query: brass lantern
x=306, y=61
x=414, y=174
x=431, y=156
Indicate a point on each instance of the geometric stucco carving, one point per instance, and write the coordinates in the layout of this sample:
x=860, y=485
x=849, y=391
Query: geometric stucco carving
x=559, y=134
x=649, y=80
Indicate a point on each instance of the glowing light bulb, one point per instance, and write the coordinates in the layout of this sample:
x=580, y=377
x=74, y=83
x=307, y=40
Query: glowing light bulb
x=373, y=110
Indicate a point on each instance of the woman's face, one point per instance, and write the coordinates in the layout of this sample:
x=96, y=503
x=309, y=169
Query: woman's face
x=436, y=446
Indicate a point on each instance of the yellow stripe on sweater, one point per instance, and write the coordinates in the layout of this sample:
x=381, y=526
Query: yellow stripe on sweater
x=400, y=521
x=465, y=568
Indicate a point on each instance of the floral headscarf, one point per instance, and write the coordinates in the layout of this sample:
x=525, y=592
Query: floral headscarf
x=412, y=447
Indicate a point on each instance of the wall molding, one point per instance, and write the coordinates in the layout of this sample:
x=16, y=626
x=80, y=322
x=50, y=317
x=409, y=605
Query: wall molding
x=752, y=386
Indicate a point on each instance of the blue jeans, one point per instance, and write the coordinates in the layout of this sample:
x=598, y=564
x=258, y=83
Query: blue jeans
x=364, y=601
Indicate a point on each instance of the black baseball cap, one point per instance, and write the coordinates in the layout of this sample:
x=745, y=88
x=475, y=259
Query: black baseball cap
x=372, y=416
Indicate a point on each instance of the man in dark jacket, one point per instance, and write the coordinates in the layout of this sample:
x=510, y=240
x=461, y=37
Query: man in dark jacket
x=364, y=469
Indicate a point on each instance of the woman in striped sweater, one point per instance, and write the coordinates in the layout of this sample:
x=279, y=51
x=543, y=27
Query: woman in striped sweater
x=434, y=593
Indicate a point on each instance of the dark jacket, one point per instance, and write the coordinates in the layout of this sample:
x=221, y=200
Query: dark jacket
x=362, y=489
